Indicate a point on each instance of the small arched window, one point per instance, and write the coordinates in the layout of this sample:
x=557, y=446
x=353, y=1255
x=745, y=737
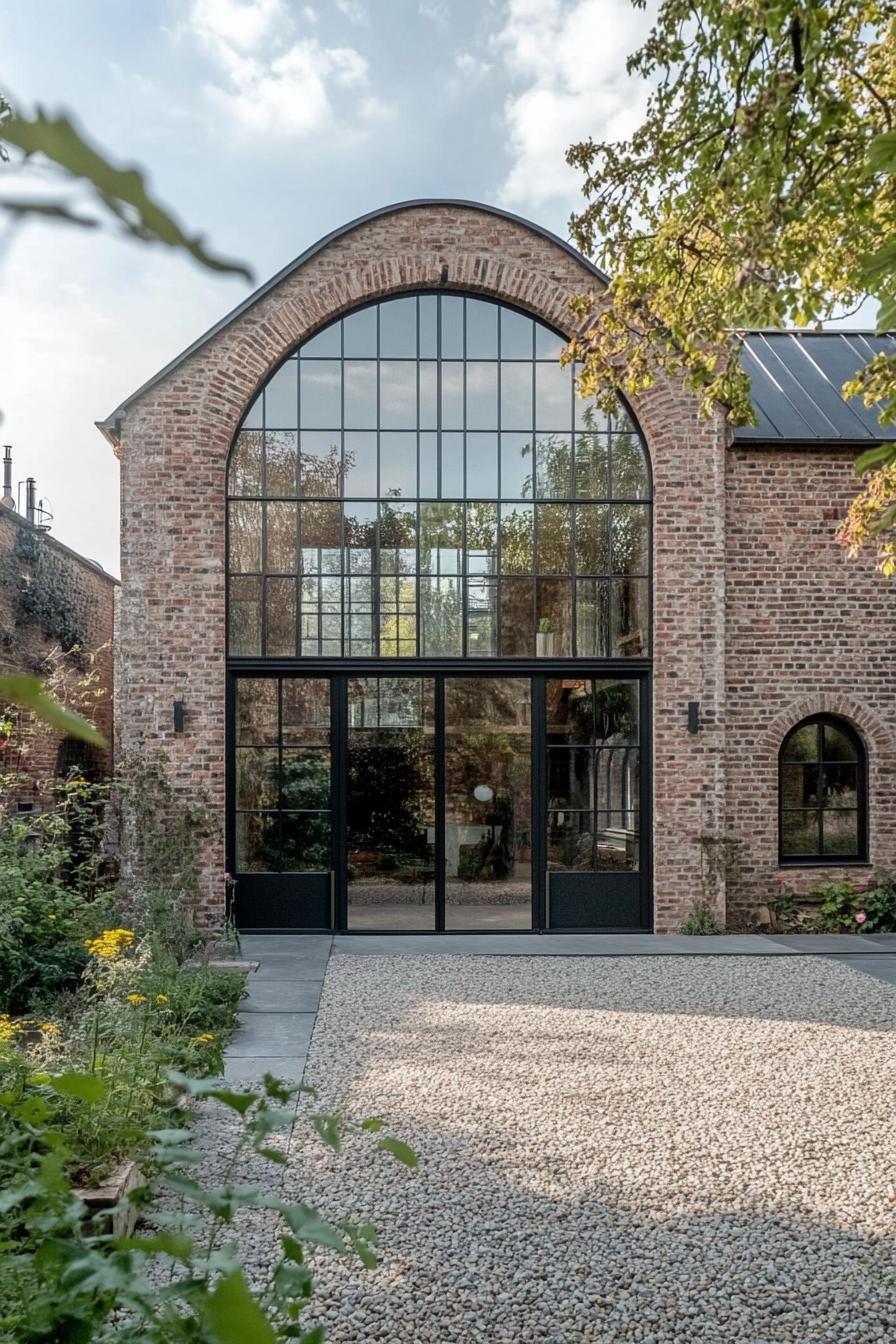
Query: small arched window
x=822, y=792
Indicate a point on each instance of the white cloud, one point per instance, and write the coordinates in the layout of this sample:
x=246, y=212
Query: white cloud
x=354, y=11
x=566, y=65
x=273, y=80
x=437, y=10
x=471, y=67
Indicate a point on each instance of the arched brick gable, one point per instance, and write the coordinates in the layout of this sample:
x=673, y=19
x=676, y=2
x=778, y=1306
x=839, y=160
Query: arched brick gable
x=175, y=439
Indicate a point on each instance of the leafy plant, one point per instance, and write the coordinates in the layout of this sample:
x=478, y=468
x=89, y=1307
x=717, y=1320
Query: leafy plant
x=845, y=910
x=700, y=920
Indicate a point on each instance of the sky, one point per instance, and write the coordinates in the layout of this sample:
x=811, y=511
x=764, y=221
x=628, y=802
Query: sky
x=265, y=124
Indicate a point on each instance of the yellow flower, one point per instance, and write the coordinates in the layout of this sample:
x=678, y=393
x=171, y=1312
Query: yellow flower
x=204, y=1039
x=136, y=998
x=161, y=998
x=110, y=943
x=52, y=916
x=8, y=1029
x=50, y=1028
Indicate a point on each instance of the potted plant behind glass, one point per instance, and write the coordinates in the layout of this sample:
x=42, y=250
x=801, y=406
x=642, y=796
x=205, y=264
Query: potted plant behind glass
x=545, y=638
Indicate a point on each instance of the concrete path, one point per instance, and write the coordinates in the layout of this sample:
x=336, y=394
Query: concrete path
x=277, y=1016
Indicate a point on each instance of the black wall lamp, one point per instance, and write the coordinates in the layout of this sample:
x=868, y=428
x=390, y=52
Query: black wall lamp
x=693, y=716
x=178, y=716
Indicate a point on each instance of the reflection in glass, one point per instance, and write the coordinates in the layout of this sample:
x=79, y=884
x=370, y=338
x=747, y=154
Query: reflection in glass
x=320, y=464
x=390, y=803
x=281, y=403
x=488, y=803
x=321, y=394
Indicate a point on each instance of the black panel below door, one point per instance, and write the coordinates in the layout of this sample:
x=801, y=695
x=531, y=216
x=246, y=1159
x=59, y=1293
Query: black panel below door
x=594, y=901
x=292, y=901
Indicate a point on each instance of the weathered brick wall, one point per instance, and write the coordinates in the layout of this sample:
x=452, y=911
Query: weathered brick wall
x=174, y=446
x=808, y=631
x=50, y=596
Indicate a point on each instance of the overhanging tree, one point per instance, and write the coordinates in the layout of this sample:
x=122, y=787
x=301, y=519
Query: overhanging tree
x=759, y=190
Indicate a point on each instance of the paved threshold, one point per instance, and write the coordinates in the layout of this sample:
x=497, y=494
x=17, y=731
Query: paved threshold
x=277, y=1016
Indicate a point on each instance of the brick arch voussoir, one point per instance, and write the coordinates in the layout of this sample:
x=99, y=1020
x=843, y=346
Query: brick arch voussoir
x=872, y=729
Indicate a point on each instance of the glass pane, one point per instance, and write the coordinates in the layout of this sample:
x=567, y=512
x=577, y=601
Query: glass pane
x=244, y=625
x=840, y=784
x=398, y=464
x=803, y=745
x=305, y=779
x=441, y=617
x=592, y=466
x=516, y=398
x=592, y=618
x=256, y=777
x=429, y=466
x=281, y=398
x=838, y=745
x=488, y=803
x=570, y=712
x=452, y=327
x=553, y=397
x=482, y=466
x=429, y=398
x=799, y=785
x=482, y=618
x=390, y=803
x=360, y=463
x=800, y=834
x=452, y=466
x=554, y=535
x=628, y=536
x=360, y=537
x=482, y=396
x=841, y=832
x=398, y=329
x=257, y=842
x=256, y=711
x=321, y=401
x=253, y=419
x=570, y=777
x=617, y=842
x=280, y=457
x=588, y=415
x=428, y=310
x=482, y=329
x=571, y=841
x=398, y=395
x=629, y=618
x=482, y=538
x=359, y=334
x=616, y=713
x=517, y=333
x=517, y=466
x=617, y=777
x=320, y=465
x=592, y=539
x=452, y=396
x=630, y=476
x=281, y=538
x=280, y=618
x=517, y=550
x=245, y=538
x=244, y=477
x=326, y=344
x=306, y=842
x=360, y=394
x=553, y=637
x=517, y=599
x=547, y=345
x=553, y=458
x=306, y=711
x=441, y=537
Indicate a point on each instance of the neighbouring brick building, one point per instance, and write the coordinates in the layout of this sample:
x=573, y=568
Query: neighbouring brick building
x=56, y=622
x=446, y=647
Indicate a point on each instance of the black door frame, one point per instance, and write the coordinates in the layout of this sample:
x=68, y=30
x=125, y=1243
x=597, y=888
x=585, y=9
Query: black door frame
x=539, y=670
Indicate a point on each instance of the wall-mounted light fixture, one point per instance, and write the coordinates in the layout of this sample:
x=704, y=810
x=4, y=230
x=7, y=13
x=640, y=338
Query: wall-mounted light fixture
x=178, y=716
x=693, y=716
x=443, y=275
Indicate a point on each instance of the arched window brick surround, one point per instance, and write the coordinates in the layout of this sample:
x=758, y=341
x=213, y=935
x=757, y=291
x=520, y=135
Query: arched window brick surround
x=175, y=439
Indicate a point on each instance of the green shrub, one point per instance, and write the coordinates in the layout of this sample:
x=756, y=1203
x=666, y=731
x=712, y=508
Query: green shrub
x=845, y=910
x=700, y=920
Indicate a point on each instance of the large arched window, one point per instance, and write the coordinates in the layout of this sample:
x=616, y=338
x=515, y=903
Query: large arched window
x=419, y=479
x=823, y=793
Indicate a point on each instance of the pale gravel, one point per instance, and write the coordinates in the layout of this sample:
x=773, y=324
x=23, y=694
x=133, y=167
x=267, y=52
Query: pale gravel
x=612, y=1149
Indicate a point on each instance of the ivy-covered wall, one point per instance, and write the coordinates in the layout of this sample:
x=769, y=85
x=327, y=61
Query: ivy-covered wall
x=56, y=620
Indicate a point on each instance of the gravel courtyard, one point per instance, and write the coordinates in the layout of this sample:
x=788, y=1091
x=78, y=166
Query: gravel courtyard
x=612, y=1149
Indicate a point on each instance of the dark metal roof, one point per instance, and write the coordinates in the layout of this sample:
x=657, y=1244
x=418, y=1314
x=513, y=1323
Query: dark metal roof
x=107, y=426
x=795, y=382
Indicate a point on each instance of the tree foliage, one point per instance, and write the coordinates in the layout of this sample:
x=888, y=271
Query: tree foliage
x=759, y=190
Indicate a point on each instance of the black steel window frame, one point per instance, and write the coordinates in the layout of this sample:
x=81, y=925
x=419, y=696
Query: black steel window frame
x=343, y=497
x=340, y=671
x=820, y=859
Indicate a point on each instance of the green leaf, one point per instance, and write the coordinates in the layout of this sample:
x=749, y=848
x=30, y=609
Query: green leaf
x=28, y=693
x=400, y=1151
x=308, y=1225
x=235, y=1316
x=875, y=457
x=174, y=1244
x=84, y=1086
x=373, y=1125
x=121, y=190
x=329, y=1128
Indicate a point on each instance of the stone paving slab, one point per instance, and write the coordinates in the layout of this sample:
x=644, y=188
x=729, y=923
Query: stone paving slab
x=557, y=945
x=251, y=1069
x=272, y=1034
x=283, y=996
x=881, y=967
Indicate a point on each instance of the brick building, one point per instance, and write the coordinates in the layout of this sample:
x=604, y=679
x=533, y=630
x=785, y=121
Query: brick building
x=446, y=647
x=56, y=622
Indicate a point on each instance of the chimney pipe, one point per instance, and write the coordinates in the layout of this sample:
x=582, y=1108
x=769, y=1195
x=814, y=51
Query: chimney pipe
x=31, y=499
x=7, y=477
